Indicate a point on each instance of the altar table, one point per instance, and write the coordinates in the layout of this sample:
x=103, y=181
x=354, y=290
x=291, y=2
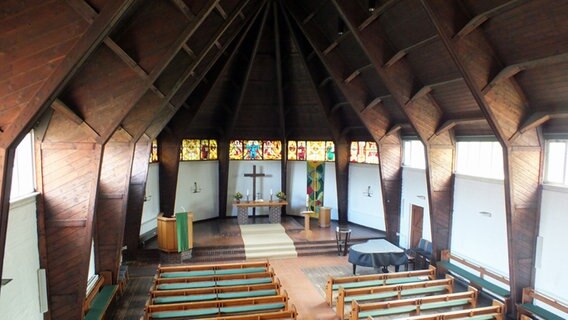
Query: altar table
x=274, y=207
x=376, y=253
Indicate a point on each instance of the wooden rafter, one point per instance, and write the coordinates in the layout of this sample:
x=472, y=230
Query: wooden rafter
x=184, y=9
x=479, y=19
x=279, y=77
x=449, y=124
x=540, y=117
x=403, y=52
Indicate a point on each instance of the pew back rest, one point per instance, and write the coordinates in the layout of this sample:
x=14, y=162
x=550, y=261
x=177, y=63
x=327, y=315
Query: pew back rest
x=529, y=297
x=484, y=273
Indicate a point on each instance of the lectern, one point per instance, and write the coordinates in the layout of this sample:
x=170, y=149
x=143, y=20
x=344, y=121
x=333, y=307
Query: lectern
x=167, y=232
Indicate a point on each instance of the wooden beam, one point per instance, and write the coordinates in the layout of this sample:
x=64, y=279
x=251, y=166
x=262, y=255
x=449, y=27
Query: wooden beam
x=403, y=52
x=479, y=19
x=168, y=153
x=512, y=70
x=279, y=80
x=540, y=117
x=450, y=124
x=59, y=106
x=312, y=14
x=221, y=11
x=184, y=9
x=376, y=14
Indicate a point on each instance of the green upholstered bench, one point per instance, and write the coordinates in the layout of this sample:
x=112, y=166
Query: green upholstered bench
x=240, y=271
x=541, y=312
x=476, y=280
x=101, y=302
x=386, y=312
x=243, y=282
x=184, y=313
x=372, y=296
x=185, y=285
x=187, y=274
x=181, y=299
x=253, y=307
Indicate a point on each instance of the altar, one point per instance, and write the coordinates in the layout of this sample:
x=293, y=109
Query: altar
x=274, y=207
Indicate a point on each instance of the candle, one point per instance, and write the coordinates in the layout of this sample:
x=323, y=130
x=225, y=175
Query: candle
x=307, y=200
x=270, y=191
x=247, y=192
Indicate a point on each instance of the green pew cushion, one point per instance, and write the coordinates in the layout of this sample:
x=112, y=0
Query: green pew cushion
x=179, y=299
x=240, y=271
x=416, y=291
x=243, y=282
x=184, y=313
x=386, y=312
x=360, y=284
x=184, y=285
x=372, y=296
x=541, y=312
x=187, y=274
x=405, y=280
x=474, y=279
x=444, y=304
x=253, y=307
x=481, y=317
x=101, y=302
x=247, y=294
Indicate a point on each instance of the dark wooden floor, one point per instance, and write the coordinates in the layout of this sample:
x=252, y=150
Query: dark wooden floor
x=225, y=232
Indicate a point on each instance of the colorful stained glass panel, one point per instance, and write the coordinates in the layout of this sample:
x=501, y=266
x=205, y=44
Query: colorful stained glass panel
x=154, y=151
x=252, y=150
x=301, y=151
x=236, y=150
x=354, y=151
x=212, y=149
x=272, y=150
x=189, y=149
x=316, y=150
x=292, y=148
x=371, y=153
x=329, y=151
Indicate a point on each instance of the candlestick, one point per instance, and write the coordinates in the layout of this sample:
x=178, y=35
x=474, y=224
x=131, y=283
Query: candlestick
x=270, y=192
x=247, y=192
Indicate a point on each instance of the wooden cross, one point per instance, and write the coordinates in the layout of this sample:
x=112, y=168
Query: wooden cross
x=253, y=175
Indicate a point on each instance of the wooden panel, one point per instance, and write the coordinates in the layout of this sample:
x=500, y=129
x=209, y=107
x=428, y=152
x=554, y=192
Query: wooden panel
x=136, y=192
x=342, y=180
x=111, y=211
x=6, y=163
x=390, y=160
x=168, y=153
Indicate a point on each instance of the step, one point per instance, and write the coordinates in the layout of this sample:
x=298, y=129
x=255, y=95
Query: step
x=279, y=254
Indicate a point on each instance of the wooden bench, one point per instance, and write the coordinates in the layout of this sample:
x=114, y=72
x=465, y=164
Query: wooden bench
x=495, y=311
x=217, y=295
x=186, y=292
x=528, y=308
x=392, y=292
x=159, y=280
x=289, y=314
x=477, y=281
x=212, y=269
x=218, y=308
x=414, y=306
x=99, y=299
x=373, y=280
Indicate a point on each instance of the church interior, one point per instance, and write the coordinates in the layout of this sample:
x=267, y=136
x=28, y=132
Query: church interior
x=283, y=159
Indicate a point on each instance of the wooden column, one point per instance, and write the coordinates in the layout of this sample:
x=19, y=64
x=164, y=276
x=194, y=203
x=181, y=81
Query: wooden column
x=136, y=192
x=390, y=159
x=223, y=156
x=342, y=178
x=6, y=164
x=112, y=201
x=168, y=153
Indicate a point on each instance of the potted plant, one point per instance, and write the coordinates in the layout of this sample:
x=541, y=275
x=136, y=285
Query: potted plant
x=238, y=196
x=281, y=196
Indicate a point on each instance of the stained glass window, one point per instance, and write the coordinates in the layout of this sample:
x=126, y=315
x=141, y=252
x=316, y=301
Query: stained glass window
x=311, y=150
x=364, y=152
x=195, y=149
x=236, y=150
x=316, y=150
x=292, y=150
x=154, y=151
x=255, y=150
x=272, y=150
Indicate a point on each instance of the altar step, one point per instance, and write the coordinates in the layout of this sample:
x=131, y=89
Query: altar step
x=320, y=248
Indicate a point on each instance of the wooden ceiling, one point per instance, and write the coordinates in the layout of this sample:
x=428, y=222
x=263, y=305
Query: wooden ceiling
x=98, y=79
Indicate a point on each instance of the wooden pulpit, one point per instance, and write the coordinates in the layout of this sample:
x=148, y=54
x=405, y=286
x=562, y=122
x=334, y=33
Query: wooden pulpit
x=167, y=232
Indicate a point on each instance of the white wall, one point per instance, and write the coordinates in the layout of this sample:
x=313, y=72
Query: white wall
x=19, y=299
x=204, y=203
x=414, y=192
x=552, y=259
x=364, y=210
x=473, y=233
x=330, y=189
x=238, y=182
x=152, y=206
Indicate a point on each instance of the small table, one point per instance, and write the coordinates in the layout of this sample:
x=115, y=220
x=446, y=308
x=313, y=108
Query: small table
x=377, y=253
x=307, y=215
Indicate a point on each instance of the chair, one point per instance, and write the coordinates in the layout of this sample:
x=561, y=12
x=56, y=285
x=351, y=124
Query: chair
x=342, y=235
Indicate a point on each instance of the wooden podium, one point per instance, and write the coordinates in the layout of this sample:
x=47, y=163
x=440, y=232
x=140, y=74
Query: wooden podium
x=167, y=234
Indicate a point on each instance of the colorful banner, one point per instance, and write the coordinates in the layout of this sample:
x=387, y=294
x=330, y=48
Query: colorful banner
x=316, y=171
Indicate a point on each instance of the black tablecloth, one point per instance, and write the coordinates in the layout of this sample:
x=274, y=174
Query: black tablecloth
x=377, y=253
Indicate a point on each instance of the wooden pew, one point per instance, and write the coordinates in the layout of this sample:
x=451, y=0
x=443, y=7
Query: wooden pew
x=495, y=311
x=268, y=273
x=373, y=280
x=213, y=281
x=99, y=298
x=289, y=314
x=186, y=271
x=480, y=282
x=528, y=308
x=186, y=292
x=414, y=306
x=392, y=292
x=213, y=309
x=219, y=294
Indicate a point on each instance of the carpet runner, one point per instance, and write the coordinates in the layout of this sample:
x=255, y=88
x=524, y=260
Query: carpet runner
x=267, y=241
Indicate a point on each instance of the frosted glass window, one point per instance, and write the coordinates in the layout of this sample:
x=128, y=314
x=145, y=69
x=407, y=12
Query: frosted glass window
x=413, y=152
x=480, y=159
x=23, y=171
x=556, y=157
